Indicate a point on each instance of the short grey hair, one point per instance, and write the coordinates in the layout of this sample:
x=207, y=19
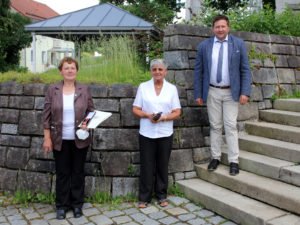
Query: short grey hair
x=158, y=62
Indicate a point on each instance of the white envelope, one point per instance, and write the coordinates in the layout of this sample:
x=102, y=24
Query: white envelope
x=97, y=119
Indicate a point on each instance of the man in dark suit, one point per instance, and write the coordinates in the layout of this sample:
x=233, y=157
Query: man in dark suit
x=222, y=78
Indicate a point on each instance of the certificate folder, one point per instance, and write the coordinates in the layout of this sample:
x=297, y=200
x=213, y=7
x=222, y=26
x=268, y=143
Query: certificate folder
x=97, y=119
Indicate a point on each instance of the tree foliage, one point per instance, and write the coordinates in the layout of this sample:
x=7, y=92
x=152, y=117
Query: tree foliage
x=158, y=12
x=12, y=36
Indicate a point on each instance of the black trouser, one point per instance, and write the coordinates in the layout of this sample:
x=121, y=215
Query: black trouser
x=69, y=164
x=154, y=159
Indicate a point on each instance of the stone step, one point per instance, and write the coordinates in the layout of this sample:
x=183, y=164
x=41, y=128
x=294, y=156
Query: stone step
x=287, y=104
x=270, y=147
x=274, y=131
x=238, y=208
x=273, y=192
x=278, y=169
x=281, y=117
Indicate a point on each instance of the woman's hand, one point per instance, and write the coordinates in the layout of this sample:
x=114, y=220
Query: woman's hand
x=47, y=145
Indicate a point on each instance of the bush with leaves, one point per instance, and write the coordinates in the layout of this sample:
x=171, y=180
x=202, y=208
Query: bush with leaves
x=244, y=18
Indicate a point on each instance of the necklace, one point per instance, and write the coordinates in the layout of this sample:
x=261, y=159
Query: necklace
x=158, y=87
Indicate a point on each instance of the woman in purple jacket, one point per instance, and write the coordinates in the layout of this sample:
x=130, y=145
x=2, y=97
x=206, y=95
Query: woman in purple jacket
x=66, y=105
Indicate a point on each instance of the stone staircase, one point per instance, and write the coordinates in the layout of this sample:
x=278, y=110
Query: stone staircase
x=267, y=190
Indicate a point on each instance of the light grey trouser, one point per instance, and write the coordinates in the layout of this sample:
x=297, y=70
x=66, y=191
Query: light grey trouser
x=223, y=109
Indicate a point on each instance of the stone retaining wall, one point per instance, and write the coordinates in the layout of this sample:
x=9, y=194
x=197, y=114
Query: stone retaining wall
x=113, y=160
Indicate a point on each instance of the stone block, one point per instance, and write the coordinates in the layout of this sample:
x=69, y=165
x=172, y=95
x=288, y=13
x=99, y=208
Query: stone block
x=9, y=115
x=11, y=88
x=259, y=47
x=256, y=63
x=33, y=181
x=98, y=91
x=124, y=185
x=286, y=76
x=36, y=89
x=17, y=158
x=21, y=102
x=41, y=166
x=251, y=36
x=95, y=185
x=31, y=122
x=268, y=104
x=109, y=139
x=256, y=93
x=39, y=103
x=181, y=161
x=261, y=105
x=113, y=121
x=135, y=157
x=175, y=29
x=264, y=76
x=287, y=88
x=184, y=78
x=127, y=117
x=192, y=63
x=192, y=116
x=17, y=141
x=109, y=105
x=181, y=92
x=178, y=176
x=269, y=90
x=297, y=50
x=92, y=169
x=4, y=101
x=121, y=90
x=201, y=155
x=297, y=76
x=283, y=49
x=177, y=59
x=191, y=137
x=183, y=42
x=283, y=39
x=3, y=151
x=189, y=175
x=115, y=163
x=9, y=128
x=190, y=98
x=294, y=61
x=269, y=63
x=36, y=149
x=8, y=179
x=166, y=43
x=192, y=54
x=248, y=111
x=281, y=61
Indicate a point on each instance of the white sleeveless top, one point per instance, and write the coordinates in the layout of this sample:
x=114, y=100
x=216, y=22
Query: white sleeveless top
x=68, y=129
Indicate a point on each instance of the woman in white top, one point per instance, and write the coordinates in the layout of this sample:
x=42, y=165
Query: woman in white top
x=157, y=105
x=66, y=105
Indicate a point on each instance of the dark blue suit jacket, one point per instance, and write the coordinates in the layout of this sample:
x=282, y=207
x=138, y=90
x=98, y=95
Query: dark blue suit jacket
x=239, y=69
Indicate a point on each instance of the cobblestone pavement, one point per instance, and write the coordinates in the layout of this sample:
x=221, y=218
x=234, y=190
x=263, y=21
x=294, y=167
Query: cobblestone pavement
x=180, y=211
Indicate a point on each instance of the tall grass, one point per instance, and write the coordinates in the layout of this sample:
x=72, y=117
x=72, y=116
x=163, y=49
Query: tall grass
x=119, y=63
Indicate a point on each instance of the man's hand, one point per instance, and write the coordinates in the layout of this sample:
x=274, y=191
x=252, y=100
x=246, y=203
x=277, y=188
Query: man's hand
x=199, y=101
x=243, y=99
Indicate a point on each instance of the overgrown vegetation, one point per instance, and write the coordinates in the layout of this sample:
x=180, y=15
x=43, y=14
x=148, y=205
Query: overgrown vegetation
x=282, y=94
x=244, y=18
x=25, y=197
x=119, y=63
x=106, y=198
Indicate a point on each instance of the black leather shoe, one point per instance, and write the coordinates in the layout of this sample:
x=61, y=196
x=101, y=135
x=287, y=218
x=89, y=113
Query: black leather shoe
x=234, y=169
x=77, y=212
x=60, y=214
x=213, y=165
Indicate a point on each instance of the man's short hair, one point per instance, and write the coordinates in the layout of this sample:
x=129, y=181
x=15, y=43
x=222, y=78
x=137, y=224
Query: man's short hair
x=220, y=17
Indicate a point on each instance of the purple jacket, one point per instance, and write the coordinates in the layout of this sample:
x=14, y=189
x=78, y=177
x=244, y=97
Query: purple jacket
x=53, y=112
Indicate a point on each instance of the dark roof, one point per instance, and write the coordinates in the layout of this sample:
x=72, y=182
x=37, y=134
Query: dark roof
x=33, y=10
x=103, y=18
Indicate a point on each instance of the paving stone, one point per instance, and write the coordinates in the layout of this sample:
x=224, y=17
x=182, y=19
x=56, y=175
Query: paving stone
x=113, y=213
x=229, y=223
x=58, y=222
x=216, y=219
x=122, y=219
x=177, y=211
x=26, y=210
x=192, y=207
x=78, y=221
x=90, y=212
x=197, y=221
x=139, y=217
x=9, y=212
x=150, y=209
x=130, y=211
x=157, y=215
x=205, y=213
x=178, y=200
x=186, y=217
x=131, y=223
x=15, y=217
x=39, y=222
x=45, y=209
x=19, y=222
x=168, y=220
x=125, y=206
x=49, y=216
x=32, y=216
x=2, y=219
x=101, y=220
x=87, y=206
